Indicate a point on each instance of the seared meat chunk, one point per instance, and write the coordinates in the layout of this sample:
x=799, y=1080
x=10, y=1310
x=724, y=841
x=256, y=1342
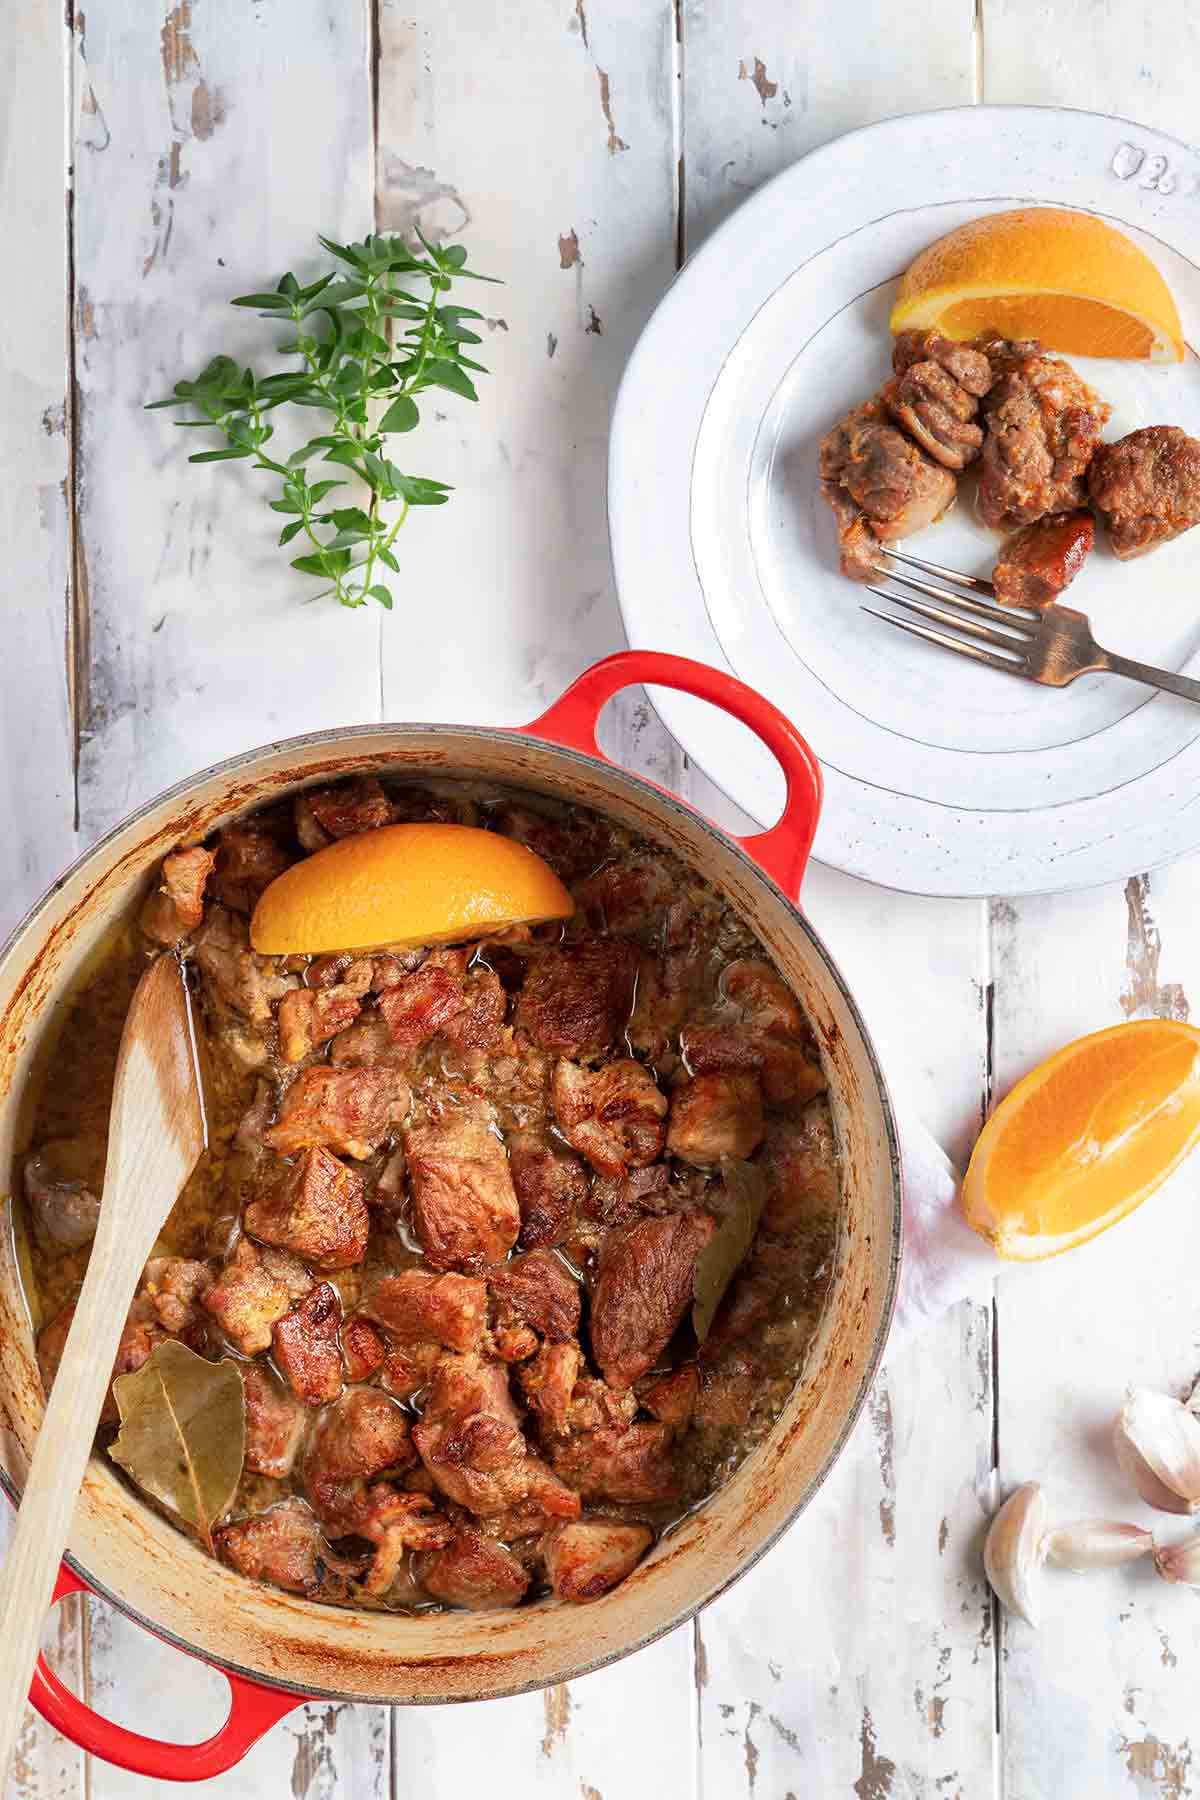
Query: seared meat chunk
x=938, y=414
x=316, y=1208
x=758, y=1026
x=306, y=1346
x=248, y=983
x=870, y=471
x=309, y=1017
x=256, y=1287
x=250, y=854
x=588, y=1557
x=63, y=1180
x=470, y=1440
x=359, y=1438
x=176, y=906
x=967, y=364
x=628, y=898
x=729, y=1385
x=637, y=1466
x=142, y=1332
x=714, y=1116
x=799, y=1161
x=407, y=1368
x=396, y=1522
x=171, y=1287
x=548, y=1382
x=1043, y=427
x=418, y=1307
x=1036, y=563
x=541, y=1291
x=464, y=1207
x=325, y=813
x=613, y=1115
x=275, y=1423
x=571, y=849
x=672, y=1398
x=643, y=1289
x=349, y=1108
x=577, y=997
x=285, y=1545
x=362, y=1348
x=444, y=997
x=367, y=1041
x=550, y=1186
x=858, y=547
x=1147, y=486
x=617, y=1199
x=474, y=1571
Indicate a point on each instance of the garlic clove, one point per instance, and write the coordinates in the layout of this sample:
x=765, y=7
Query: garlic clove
x=1015, y=1550
x=1157, y=1442
x=1179, y=1562
x=1096, y=1544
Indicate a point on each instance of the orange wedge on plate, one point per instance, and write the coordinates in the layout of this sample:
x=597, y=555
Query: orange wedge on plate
x=1063, y=277
x=405, y=885
x=1085, y=1138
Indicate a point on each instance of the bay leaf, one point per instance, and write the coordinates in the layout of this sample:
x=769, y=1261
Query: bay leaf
x=183, y=1432
x=744, y=1196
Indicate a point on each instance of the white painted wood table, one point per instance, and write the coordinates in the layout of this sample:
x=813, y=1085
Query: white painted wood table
x=154, y=162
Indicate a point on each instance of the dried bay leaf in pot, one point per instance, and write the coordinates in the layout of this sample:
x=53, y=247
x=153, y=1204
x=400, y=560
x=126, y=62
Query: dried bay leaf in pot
x=183, y=1432
x=744, y=1196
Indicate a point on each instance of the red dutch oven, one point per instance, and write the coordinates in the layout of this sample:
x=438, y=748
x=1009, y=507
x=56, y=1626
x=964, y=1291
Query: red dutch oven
x=277, y=1649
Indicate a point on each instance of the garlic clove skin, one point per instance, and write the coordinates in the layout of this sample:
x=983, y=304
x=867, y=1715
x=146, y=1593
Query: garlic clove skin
x=1015, y=1550
x=1096, y=1544
x=1157, y=1442
x=1179, y=1562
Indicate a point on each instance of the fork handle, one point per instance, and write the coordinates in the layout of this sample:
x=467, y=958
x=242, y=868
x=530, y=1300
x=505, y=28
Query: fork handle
x=1159, y=678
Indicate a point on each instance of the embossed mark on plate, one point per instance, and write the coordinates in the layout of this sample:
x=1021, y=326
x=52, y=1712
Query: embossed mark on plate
x=1152, y=172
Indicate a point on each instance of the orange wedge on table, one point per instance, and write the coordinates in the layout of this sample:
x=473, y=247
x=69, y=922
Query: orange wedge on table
x=1066, y=278
x=1085, y=1138
x=406, y=885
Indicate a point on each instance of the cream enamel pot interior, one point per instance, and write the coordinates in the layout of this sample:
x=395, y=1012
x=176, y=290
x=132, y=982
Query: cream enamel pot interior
x=276, y=1648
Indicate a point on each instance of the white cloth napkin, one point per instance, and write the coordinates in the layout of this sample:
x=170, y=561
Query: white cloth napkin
x=944, y=1261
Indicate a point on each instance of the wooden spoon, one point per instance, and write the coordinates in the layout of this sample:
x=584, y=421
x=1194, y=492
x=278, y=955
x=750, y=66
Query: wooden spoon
x=155, y=1136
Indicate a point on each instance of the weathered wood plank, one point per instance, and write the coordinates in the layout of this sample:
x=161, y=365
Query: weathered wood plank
x=216, y=143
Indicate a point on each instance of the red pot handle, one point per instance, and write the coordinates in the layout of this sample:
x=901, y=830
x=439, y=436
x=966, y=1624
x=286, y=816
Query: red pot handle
x=782, y=851
x=254, y=1709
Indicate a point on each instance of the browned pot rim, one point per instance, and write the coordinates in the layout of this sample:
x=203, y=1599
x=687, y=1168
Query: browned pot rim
x=637, y=786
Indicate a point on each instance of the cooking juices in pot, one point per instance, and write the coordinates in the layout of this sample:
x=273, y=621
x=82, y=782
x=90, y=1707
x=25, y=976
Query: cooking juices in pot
x=518, y=1245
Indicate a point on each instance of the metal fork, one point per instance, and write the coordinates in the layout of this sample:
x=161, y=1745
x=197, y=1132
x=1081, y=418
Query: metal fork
x=1051, y=645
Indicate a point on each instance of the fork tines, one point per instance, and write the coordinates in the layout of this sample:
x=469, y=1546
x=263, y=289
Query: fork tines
x=1009, y=644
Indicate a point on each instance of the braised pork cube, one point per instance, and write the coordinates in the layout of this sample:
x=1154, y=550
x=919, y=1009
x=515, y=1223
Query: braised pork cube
x=1036, y=563
x=550, y=1187
x=572, y=848
x=967, y=364
x=172, y=1287
x=548, y=1382
x=140, y=1334
x=248, y=983
x=256, y=1287
x=628, y=898
x=464, y=1207
x=445, y=997
x=317, y=1209
x=250, y=854
x=307, y=1349
x=351, y=1109
x=1042, y=428
x=63, y=1179
x=858, y=547
x=577, y=997
x=176, y=906
x=367, y=1041
x=589, y=1557
x=714, y=1116
x=275, y=1423
x=539, y=1288
x=310, y=1016
x=871, y=471
x=397, y=1522
x=635, y=1467
x=938, y=414
x=1147, y=486
x=474, y=1571
x=285, y=1545
x=470, y=1439
x=730, y=1383
x=643, y=1289
x=363, y=1349
x=362, y=1435
x=418, y=1307
x=325, y=813
x=799, y=1162
x=619, y=1199
x=407, y=1368
x=758, y=1026
x=613, y=1116
x=672, y=1398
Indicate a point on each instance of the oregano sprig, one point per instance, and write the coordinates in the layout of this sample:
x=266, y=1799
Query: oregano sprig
x=369, y=346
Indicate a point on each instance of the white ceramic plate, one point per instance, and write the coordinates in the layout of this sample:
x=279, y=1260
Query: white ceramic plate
x=942, y=777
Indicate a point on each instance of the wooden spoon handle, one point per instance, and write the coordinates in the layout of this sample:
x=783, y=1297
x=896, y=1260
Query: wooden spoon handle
x=43, y=1525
